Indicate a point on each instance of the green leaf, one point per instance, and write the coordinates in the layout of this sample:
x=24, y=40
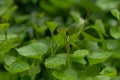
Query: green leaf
x=78, y=55
x=73, y=38
x=20, y=19
x=2, y=10
x=8, y=14
x=89, y=78
x=99, y=26
x=78, y=19
x=59, y=40
x=62, y=3
x=6, y=45
x=112, y=44
x=7, y=76
x=9, y=60
x=65, y=74
x=34, y=50
x=102, y=78
x=62, y=32
x=109, y=71
x=98, y=57
x=89, y=37
x=56, y=61
x=116, y=54
x=107, y=4
x=33, y=71
x=4, y=26
x=9, y=37
x=115, y=32
x=116, y=13
x=52, y=26
x=17, y=67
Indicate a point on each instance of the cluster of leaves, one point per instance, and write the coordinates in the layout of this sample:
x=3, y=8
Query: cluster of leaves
x=59, y=40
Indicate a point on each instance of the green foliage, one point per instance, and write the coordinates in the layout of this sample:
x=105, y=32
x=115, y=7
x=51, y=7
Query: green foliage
x=59, y=39
x=35, y=50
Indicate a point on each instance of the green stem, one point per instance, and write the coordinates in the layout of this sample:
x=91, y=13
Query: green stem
x=103, y=41
x=67, y=50
x=52, y=49
x=5, y=33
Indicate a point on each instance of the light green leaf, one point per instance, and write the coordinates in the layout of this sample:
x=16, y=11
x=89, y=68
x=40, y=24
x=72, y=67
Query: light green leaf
x=65, y=74
x=9, y=37
x=78, y=19
x=78, y=55
x=6, y=45
x=33, y=71
x=109, y=71
x=34, y=50
x=115, y=32
x=59, y=40
x=73, y=38
x=52, y=26
x=17, y=67
x=9, y=13
x=56, y=61
x=2, y=10
x=82, y=61
x=89, y=78
x=99, y=26
x=102, y=78
x=9, y=60
x=107, y=4
x=99, y=57
x=115, y=13
x=4, y=26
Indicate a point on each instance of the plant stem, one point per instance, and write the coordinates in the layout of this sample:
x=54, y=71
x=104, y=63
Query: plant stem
x=103, y=41
x=67, y=50
x=5, y=33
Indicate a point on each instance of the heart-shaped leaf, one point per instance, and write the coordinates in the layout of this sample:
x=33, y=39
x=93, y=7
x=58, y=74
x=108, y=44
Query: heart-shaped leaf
x=56, y=61
x=102, y=78
x=9, y=60
x=99, y=26
x=109, y=71
x=52, y=26
x=34, y=50
x=115, y=13
x=115, y=32
x=112, y=44
x=17, y=67
x=9, y=37
x=89, y=37
x=98, y=57
x=116, y=54
x=65, y=74
x=78, y=55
